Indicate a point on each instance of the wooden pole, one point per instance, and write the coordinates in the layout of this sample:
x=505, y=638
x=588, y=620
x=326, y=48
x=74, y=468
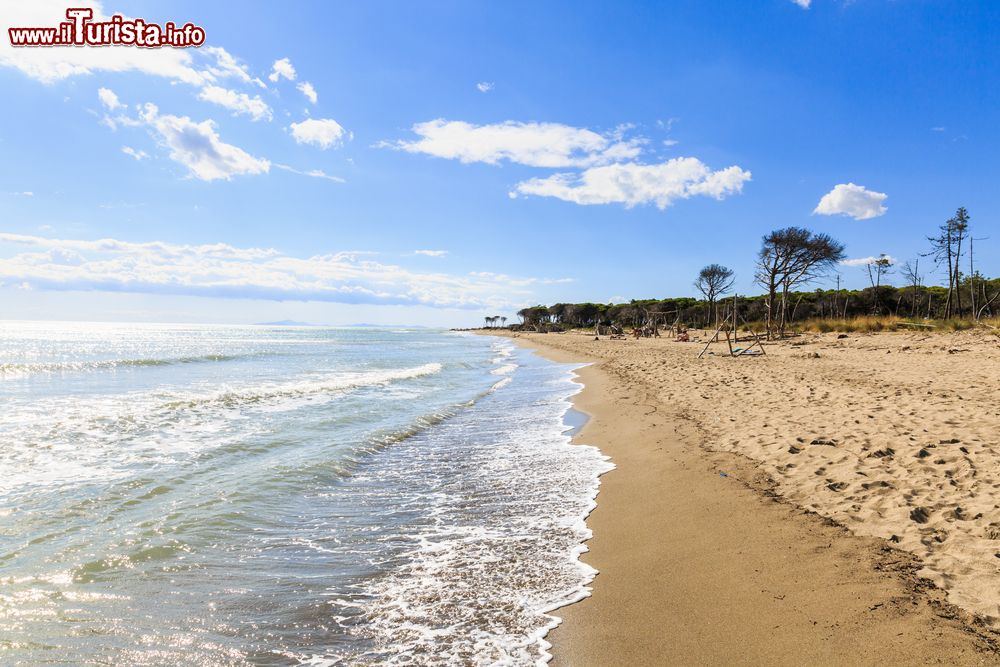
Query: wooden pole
x=756, y=338
x=710, y=341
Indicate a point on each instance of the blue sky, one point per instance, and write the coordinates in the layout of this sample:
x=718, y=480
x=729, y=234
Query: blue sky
x=463, y=159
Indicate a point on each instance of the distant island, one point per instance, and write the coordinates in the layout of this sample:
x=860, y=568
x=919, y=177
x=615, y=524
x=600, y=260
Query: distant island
x=287, y=323
x=361, y=325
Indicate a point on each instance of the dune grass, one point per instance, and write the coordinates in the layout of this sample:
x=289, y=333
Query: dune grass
x=869, y=324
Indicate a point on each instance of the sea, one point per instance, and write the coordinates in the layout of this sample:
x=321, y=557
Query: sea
x=273, y=495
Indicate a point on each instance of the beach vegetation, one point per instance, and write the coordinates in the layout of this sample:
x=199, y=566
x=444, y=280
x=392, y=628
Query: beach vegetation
x=790, y=259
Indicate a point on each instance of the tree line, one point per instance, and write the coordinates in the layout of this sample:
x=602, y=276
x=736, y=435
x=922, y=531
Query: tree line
x=788, y=262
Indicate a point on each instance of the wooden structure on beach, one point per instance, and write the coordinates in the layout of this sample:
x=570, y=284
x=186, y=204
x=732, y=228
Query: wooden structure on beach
x=730, y=325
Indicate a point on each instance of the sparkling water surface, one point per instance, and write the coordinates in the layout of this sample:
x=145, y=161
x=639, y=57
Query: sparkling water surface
x=221, y=495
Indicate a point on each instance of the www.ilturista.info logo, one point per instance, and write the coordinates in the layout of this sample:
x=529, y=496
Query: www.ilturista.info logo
x=81, y=30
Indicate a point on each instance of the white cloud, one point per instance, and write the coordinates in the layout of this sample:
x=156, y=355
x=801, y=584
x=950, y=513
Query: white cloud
x=26, y=193
x=484, y=86
x=804, y=4
x=197, y=146
x=322, y=132
x=866, y=261
x=431, y=253
x=532, y=144
x=225, y=271
x=634, y=184
x=239, y=103
x=312, y=173
x=227, y=66
x=131, y=152
x=108, y=99
x=852, y=200
x=307, y=89
x=282, y=69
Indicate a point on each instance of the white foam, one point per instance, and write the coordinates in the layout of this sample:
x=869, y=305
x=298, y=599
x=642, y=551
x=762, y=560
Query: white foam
x=501, y=384
x=102, y=437
x=505, y=529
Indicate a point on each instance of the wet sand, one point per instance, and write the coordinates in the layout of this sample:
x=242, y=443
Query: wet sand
x=713, y=551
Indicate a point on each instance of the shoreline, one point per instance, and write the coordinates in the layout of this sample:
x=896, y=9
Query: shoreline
x=696, y=567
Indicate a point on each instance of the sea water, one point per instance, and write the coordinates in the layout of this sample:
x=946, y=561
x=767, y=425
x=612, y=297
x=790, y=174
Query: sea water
x=223, y=495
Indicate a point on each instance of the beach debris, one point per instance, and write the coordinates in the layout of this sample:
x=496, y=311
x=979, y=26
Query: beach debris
x=730, y=326
x=829, y=442
x=949, y=441
x=839, y=336
x=837, y=486
x=923, y=454
x=794, y=450
x=920, y=514
x=722, y=474
x=992, y=531
x=880, y=453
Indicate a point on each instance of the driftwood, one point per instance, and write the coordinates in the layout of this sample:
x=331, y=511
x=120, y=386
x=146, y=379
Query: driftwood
x=729, y=325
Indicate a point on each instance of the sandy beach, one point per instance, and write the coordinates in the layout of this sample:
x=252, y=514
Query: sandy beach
x=834, y=502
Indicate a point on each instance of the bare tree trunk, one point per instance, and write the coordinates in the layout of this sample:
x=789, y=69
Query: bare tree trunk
x=836, y=296
x=972, y=283
x=958, y=274
x=795, y=308
x=772, y=293
x=784, y=310
x=951, y=277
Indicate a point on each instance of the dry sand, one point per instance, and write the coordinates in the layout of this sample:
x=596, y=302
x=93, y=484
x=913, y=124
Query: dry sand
x=858, y=521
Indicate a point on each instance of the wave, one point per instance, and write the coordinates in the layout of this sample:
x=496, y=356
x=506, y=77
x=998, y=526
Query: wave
x=304, y=389
x=500, y=385
x=381, y=440
x=510, y=501
x=38, y=368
